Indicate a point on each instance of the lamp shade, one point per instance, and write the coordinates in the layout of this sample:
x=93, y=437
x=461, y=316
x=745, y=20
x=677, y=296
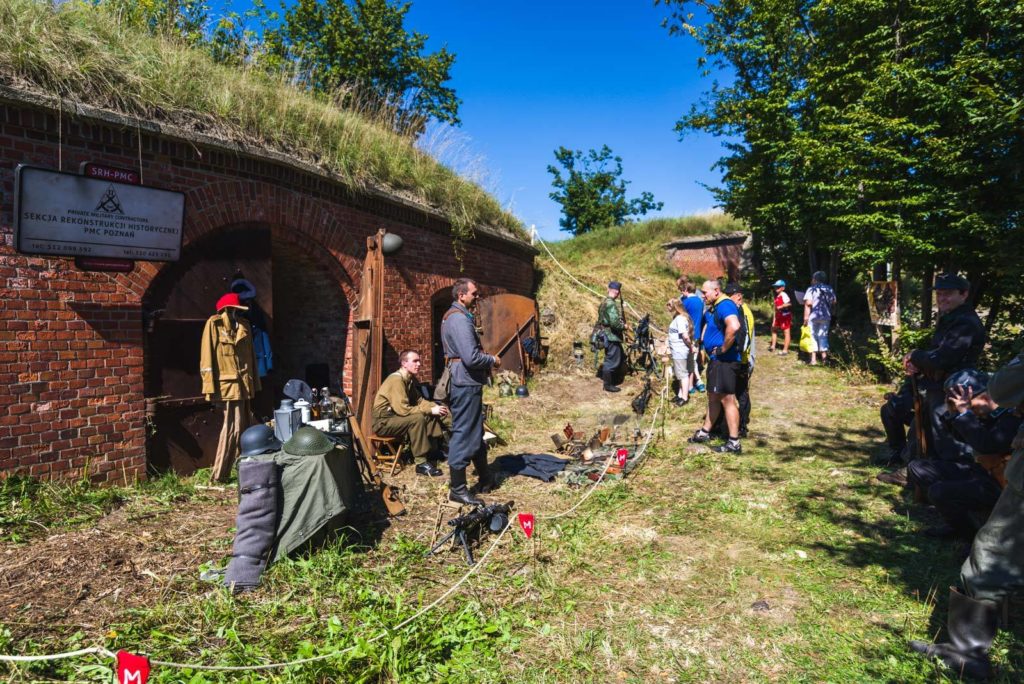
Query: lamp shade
x=390, y=243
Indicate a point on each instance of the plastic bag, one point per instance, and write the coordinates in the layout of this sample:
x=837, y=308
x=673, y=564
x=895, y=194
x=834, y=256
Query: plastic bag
x=805, y=339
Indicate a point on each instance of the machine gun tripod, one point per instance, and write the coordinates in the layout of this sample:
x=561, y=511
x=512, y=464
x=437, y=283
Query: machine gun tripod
x=495, y=516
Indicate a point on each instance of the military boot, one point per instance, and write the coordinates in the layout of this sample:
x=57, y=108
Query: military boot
x=609, y=385
x=458, y=492
x=972, y=628
x=485, y=478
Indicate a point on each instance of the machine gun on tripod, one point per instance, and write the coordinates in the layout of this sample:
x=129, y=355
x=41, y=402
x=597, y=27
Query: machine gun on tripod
x=640, y=354
x=495, y=516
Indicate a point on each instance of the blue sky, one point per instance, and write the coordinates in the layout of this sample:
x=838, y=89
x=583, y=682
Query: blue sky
x=536, y=75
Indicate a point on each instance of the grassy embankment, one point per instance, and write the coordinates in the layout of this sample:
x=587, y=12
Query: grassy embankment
x=788, y=563
x=82, y=53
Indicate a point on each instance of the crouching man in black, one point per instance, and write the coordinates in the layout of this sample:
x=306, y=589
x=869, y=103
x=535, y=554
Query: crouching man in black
x=964, y=491
x=995, y=568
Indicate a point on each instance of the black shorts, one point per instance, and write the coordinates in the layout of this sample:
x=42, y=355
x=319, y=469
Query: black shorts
x=722, y=376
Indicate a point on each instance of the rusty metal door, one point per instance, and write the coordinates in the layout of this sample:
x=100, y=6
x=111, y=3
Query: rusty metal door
x=182, y=427
x=507, y=320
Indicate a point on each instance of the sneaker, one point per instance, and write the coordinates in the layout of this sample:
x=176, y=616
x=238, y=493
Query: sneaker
x=896, y=477
x=679, y=401
x=700, y=387
x=782, y=353
x=699, y=437
x=731, y=446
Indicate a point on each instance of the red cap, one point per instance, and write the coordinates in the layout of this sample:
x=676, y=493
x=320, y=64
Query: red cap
x=231, y=299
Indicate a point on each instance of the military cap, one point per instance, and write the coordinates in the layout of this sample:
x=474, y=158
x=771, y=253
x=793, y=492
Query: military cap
x=296, y=389
x=308, y=441
x=951, y=281
x=1006, y=386
x=969, y=378
x=615, y=285
x=732, y=288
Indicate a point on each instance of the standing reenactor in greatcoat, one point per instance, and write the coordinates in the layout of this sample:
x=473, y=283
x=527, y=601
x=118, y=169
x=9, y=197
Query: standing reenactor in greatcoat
x=956, y=344
x=611, y=323
x=469, y=368
x=995, y=568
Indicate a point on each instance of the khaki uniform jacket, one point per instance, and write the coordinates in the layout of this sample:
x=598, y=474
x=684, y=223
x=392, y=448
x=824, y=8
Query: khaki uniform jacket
x=227, y=360
x=398, y=396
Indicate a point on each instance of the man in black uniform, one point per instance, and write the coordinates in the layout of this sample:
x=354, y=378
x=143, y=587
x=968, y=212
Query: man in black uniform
x=611, y=323
x=956, y=344
x=963, y=492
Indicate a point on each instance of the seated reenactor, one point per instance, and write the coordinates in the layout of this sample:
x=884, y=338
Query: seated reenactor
x=959, y=489
x=399, y=410
x=956, y=344
x=995, y=568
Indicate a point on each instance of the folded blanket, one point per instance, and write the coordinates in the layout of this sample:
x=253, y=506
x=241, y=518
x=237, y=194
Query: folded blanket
x=259, y=486
x=541, y=466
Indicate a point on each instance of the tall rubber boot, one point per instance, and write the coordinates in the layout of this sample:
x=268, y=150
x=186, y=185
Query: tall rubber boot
x=458, y=492
x=609, y=385
x=972, y=628
x=485, y=478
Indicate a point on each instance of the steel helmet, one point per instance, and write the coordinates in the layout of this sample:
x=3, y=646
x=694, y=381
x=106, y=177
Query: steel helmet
x=522, y=391
x=308, y=441
x=259, y=439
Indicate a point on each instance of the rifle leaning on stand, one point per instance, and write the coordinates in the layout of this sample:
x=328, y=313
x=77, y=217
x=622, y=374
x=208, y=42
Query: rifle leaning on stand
x=389, y=493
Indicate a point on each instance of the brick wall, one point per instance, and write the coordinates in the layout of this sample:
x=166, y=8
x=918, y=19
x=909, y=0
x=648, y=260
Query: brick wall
x=72, y=343
x=710, y=256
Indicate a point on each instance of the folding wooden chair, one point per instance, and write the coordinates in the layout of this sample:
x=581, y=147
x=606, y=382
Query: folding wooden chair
x=388, y=451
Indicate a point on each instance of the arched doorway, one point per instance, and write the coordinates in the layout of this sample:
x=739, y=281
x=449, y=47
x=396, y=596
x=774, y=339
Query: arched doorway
x=305, y=312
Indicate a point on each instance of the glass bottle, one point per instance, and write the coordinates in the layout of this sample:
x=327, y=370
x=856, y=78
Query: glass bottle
x=314, y=405
x=326, y=405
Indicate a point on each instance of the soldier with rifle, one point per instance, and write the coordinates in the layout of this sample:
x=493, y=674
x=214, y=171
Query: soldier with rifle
x=611, y=322
x=956, y=344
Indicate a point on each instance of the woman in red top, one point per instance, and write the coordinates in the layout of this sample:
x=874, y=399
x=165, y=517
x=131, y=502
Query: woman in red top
x=783, y=320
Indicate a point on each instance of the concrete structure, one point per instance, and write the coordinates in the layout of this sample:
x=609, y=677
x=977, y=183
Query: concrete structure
x=711, y=256
x=88, y=360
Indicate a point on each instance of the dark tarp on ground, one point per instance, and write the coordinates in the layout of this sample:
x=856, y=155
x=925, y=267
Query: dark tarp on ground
x=541, y=466
x=316, y=493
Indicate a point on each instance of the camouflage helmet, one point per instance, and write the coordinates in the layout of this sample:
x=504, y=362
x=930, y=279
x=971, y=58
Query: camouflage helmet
x=259, y=439
x=308, y=441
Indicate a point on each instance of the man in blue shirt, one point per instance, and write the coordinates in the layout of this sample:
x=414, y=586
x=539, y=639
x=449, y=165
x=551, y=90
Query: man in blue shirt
x=694, y=305
x=723, y=343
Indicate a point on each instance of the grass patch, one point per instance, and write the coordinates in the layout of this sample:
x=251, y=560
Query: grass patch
x=83, y=53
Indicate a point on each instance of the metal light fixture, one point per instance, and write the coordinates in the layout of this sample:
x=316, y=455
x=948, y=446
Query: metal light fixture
x=390, y=244
x=577, y=353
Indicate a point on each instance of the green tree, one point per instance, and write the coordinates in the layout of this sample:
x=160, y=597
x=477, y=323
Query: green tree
x=359, y=52
x=592, y=193
x=181, y=18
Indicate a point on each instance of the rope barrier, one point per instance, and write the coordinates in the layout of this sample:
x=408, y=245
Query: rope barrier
x=99, y=650
x=586, y=287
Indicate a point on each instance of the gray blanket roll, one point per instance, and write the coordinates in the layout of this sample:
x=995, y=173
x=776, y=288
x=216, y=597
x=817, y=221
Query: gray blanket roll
x=259, y=485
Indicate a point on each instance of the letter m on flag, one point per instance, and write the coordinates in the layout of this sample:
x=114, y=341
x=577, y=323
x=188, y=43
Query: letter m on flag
x=132, y=669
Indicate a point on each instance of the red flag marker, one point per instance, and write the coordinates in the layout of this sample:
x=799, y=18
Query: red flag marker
x=620, y=457
x=132, y=669
x=526, y=522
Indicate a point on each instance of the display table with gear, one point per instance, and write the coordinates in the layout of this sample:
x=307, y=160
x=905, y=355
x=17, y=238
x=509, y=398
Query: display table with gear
x=317, y=491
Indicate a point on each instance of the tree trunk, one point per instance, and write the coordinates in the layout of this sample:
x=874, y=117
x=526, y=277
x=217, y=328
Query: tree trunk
x=927, y=280
x=833, y=268
x=993, y=311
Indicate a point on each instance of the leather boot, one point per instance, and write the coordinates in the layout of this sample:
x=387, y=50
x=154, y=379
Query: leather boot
x=608, y=384
x=972, y=628
x=458, y=492
x=485, y=478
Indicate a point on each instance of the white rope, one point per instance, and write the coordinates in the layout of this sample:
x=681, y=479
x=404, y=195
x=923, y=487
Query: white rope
x=586, y=287
x=98, y=650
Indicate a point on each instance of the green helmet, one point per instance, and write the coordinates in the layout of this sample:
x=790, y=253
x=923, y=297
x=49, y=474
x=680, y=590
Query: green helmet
x=308, y=441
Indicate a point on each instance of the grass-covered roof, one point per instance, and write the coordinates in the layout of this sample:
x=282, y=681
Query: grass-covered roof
x=82, y=53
